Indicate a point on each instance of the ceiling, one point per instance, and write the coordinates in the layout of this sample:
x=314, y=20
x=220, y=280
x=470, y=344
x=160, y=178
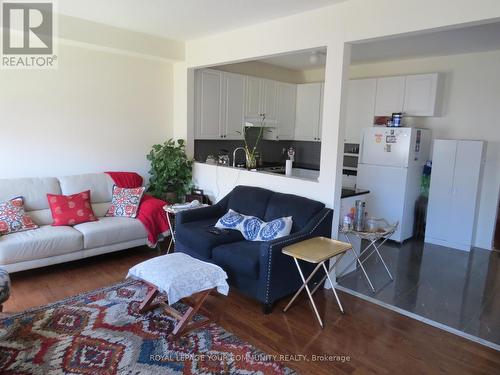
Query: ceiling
x=185, y=19
x=439, y=43
x=299, y=60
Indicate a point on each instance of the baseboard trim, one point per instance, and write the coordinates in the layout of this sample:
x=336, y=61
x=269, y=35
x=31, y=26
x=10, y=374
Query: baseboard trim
x=422, y=319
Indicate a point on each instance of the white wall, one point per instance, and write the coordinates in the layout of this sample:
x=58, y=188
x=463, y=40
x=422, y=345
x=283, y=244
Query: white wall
x=471, y=110
x=98, y=111
x=333, y=26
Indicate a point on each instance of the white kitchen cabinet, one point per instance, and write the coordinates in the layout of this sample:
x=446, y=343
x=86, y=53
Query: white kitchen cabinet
x=269, y=100
x=360, y=108
x=253, y=108
x=208, y=104
x=422, y=95
x=261, y=100
x=456, y=167
x=285, y=119
x=233, y=107
x=389, y=97
x=308, y=112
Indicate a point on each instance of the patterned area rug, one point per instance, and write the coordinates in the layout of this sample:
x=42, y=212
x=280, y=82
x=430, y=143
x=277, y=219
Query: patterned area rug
x=102, y=332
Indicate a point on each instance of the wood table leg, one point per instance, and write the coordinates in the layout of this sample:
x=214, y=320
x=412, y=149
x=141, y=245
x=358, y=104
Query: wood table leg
x=185, y=325
x=146, y=305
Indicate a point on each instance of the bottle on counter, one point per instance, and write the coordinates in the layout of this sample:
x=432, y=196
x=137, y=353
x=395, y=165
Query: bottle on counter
x=359, y=218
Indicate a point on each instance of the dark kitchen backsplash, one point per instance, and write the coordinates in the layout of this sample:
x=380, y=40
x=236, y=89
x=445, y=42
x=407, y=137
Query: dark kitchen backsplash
x=306, y=153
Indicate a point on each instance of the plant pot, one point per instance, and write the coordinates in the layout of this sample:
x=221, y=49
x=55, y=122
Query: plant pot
x=251, y=161
x=171, y=197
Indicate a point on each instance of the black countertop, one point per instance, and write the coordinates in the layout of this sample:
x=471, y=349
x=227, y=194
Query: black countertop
x=347, y=193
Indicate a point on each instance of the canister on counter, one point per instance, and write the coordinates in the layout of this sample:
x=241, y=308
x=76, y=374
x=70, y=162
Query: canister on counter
x=359, y=217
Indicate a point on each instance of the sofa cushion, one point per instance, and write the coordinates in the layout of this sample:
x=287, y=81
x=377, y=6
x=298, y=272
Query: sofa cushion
x=255, y=229
x=71, y=209
x=250, y=200
x=110, y=230
x=13, y=218
x=195, y=235
x=99, y=184
x=240, y=258
x=300, y=209
x=44, y=242
x=125, y=202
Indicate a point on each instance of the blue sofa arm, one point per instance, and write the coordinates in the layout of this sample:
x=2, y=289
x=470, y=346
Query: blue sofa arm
x=204, y=213
x=278, y=273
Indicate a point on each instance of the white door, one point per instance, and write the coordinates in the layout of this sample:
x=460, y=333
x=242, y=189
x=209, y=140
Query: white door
x=287, y=96
x=307, y=117
x=441, y=191
x=421, y=94
x=387, y=187
x=208, y=104
x=253, y=107
x=269, y=100
x=386, y=146
x=360, y=108
x=390, y=95
x=234, y=105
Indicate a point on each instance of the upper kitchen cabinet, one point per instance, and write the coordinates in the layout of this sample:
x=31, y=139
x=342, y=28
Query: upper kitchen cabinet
x=220, y=104
x=261, y=99
x=389, y=97
x=308, y=112
x=422, y=95
x=233, y=106
x=208, y=104
x=360, y=108
x=287, y=97
x=253, y=109
x=414, y=95
x=269, y=100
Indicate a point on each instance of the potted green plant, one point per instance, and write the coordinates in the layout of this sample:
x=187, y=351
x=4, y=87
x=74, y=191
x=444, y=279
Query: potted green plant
x=171, y=171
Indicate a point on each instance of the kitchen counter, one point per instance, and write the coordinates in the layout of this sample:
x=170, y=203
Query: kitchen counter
x=299, y=171
x=348, y=193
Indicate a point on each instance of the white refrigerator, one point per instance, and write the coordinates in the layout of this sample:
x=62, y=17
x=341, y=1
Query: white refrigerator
x=390, y=166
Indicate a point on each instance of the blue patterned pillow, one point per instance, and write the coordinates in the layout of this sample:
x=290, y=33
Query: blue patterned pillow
x=275, y=229
x=253, y=228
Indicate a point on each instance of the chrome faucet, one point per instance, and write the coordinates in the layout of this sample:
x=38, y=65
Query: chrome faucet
x=234, y=154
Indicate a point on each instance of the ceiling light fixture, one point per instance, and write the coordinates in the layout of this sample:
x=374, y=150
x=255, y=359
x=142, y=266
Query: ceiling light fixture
x=315, y=56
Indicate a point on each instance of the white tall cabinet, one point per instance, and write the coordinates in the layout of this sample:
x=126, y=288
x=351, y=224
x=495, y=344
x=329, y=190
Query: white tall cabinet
x=451, y=212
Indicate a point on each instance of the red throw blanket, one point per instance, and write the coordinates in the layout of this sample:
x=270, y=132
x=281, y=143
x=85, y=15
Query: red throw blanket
x=150, y=213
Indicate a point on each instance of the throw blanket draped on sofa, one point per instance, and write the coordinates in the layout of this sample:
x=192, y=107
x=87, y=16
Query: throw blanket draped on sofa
x=151, y=213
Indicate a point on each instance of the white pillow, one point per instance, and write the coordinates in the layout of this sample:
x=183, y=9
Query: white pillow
x=255, y=229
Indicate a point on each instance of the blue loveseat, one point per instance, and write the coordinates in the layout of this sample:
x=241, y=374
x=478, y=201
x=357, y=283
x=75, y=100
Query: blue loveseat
x=258, y=269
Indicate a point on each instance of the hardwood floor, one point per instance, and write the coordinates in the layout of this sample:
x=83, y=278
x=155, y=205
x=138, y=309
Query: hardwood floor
x=377, y=340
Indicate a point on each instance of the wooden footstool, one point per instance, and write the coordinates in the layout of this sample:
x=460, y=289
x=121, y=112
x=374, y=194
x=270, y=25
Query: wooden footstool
x=180, y=276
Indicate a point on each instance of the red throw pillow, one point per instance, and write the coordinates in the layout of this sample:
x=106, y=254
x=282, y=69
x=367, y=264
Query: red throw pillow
x=71, y=209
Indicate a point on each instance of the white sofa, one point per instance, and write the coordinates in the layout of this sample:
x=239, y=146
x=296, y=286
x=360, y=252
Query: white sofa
x=50, y=245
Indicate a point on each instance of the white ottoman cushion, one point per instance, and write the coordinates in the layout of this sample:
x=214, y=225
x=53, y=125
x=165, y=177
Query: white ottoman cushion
x=179, y=275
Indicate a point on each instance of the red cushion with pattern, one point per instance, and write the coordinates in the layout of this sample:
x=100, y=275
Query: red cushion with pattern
x=71, y=209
